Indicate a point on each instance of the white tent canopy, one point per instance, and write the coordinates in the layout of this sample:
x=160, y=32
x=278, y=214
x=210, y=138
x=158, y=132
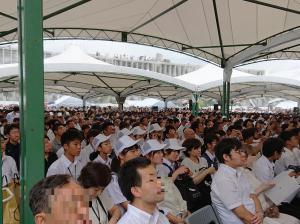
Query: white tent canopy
x=227, y=32
x=75, y=73
x=243, y=85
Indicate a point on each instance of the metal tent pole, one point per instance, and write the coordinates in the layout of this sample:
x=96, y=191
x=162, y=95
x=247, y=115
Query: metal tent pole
x=31, y=99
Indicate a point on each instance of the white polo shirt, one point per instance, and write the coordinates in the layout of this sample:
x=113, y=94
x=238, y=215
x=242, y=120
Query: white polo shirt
x=99, y=159
x=84, y=156
x=137, y=216
x=96, y=211
x=9, y=169
x=228, y=193
x=263, y=169
x=288, y=157
x=115, y=192
x=64, y=166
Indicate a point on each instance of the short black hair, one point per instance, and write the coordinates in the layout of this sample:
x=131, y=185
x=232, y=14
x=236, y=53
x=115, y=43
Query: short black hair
x=106, y=124
x=56, y=125
x=71, y=135
x=248, y=133
x=129, y=176
x=39, y=193
x=189, y=144
x=225, y=146
x=94, y=174
x=287, y=135
x=272, y=145
x=93, y=133
x=9, y=127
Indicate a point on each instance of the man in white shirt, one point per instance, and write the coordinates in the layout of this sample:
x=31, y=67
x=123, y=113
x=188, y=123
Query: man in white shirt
x=289, y=154
x=12, y=115
x=139, y=184
x=232, y=200
x=263, y=168
x=67, y=163
x=9, y=167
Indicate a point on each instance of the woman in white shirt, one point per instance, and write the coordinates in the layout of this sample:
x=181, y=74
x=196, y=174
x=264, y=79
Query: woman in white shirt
x=102, y=210
x=271, y=212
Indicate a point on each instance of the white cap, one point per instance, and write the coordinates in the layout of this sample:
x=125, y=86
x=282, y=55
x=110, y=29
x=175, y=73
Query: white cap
x=99, y=139
x=138, y=131
x=123, y=143
x=172, y=143
x=124, y=131
x=152, y=145
x=155, y=127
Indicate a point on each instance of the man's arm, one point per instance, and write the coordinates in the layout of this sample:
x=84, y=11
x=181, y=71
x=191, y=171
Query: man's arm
x=242, y=213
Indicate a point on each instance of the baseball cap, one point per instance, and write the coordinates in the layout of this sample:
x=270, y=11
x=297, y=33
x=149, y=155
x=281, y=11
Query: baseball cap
x=124, y=131
x=99, y=139
x=155, y=127
x=172, y=143
x=152, y=145
x=138, y=131
x=123, y=143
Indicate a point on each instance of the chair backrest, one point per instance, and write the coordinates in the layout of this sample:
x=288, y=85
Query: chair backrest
x=205, y=215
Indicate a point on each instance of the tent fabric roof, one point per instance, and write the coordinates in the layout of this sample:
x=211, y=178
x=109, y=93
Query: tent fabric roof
x=284, y=84
x=214, y=30
x=77, y=74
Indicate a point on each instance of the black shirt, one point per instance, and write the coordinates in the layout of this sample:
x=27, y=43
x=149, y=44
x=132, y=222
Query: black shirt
x=51, y=158
x=14, y=151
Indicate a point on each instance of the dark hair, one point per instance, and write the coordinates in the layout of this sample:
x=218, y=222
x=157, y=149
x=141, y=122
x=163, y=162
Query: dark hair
x=129, y=176
x=195, y=125
x=94, y=174
x=225, y=146
x=287, y=135
x=71, y=135
x=208, y=139
x=272, y=145
x=56, y=125
x=189, y=144
x=9, y=127
x=248, y=133
x=106, y=124
x=92, y=133
x=39, y=193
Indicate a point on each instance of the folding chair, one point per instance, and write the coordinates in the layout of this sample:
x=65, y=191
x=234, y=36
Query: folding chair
x=205, y=215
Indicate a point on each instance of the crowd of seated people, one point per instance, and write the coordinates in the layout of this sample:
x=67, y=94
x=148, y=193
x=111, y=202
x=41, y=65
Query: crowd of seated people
x=145, y=166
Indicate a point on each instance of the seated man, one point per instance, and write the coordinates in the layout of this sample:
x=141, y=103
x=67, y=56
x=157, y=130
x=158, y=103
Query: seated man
x=233, y=199
x=68, y=163
x=139, y=184
x=58, y=199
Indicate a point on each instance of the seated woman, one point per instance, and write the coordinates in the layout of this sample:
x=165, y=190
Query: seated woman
x=271, y=212
x=196, y=164
x=102, y=210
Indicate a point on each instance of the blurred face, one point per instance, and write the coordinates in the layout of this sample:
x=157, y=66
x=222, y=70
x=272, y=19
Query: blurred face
x=189, y=133
x=61, y=129
x=293, y=142
x=150, y=191
x=14, y=135
x=172, y=133
x=233, y=159
x=173, y=156
x=244, y=158
x=95, y=191
x=131, y=154
x=156, y=157
x=73, y=148
x=154, y=135
x=69, y=205
x=48, y=145
x=211, y=146
x=110, y=130
x=195, y=152
x=105, y=147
